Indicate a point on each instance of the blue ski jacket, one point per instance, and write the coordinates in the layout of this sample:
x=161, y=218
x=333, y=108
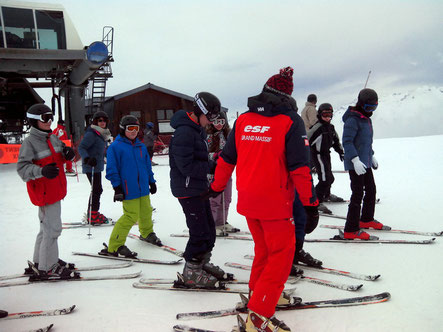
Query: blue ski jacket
x=357, y=138
x=92, y=145
x=129, y=166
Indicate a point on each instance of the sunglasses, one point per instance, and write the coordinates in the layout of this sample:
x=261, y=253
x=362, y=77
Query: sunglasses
x=370, y=107
x=218, y=122
x=132, y=128
x=327, y=114
x=45, y=117
x=102, y=120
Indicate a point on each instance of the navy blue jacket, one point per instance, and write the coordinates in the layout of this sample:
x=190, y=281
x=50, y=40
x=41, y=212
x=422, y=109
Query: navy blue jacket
x=129, y=166
x=188, y=157
x=357, y=138
x=92, y=145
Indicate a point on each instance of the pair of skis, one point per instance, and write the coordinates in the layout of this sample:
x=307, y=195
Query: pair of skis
x=80, y=278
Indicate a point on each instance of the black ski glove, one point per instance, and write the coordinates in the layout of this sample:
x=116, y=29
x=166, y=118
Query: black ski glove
x=152, y=188
x=119, y=196
x=91, y=161
x=311, y=218
x=50, y=171
x=210, y=193
x=68, y=153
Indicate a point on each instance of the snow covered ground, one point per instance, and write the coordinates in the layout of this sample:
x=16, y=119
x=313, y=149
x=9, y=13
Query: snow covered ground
x=409, y=182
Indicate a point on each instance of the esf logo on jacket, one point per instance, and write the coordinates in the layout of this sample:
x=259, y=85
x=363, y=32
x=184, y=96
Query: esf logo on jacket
x=256, y=129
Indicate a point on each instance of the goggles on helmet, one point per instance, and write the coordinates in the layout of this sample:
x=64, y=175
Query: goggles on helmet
x=45, y=117
x=132, y=128
x=370, y=107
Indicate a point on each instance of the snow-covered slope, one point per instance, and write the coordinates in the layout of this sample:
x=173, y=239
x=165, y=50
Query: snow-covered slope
x=408, y=182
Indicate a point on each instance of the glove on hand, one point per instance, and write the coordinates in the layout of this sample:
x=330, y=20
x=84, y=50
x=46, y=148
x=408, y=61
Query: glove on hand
x=119, y=196
x=311, y=218
x=50, y=171
x=68, y=153
x=374, y=163
x=91, y=161
x=152, y=188
x=210, y=193
x=359, y=167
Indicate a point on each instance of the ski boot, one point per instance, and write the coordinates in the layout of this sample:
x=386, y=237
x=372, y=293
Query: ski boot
x=296, y=271
x=195, y=277
x=122, y=251
x=3, y=313
x=333, y=198
x=152, y=239
x=373, y=224
x=57, y=272
x=306, y=258
x=356, y=235
x=30, y=270
x=220, y=232
x=256, y=322
x=102, y=217
x=95, y=219
x=70, y=172
x=322, y=208
x=215, y=270
x=286, y=299
x=227, y=228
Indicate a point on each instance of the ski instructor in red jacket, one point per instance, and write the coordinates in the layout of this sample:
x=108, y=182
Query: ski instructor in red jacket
x=269, y=147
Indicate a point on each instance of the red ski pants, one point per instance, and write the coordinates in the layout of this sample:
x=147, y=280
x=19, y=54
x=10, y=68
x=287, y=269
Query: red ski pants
x=274, y=251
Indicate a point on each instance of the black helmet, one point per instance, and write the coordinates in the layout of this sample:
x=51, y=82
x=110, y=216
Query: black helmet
x=127, y=120
x=367, y=100
x=35, y=113
x=312, y=98
x=208, y=104
x=97, y=115
x=325, y=108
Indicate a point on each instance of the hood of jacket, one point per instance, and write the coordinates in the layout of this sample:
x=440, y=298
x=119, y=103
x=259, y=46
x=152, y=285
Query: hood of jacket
x=181, y=118
x=353, y=112
x=270, y=104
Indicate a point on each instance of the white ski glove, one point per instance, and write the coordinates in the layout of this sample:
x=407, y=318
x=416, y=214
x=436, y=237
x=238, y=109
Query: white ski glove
x=359, y=167
x=374, y=163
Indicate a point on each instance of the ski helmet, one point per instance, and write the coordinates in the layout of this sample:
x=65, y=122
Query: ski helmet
x=150, y=125
x=367, y=100
x=324, y=109
x=39, y=112
x=126, y=121
x=208, y=104
x=97, y=115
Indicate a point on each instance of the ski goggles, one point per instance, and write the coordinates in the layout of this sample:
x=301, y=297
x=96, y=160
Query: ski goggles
x=326, y=114
x=370, y=107
x=102, y=120
x=132, y=128
x=45, y=117
x=219, y=122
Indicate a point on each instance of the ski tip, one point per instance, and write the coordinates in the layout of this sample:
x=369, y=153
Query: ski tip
x=49, y=327
x=72, y=308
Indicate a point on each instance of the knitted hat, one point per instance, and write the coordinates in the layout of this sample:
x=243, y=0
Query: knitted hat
x=281, y=83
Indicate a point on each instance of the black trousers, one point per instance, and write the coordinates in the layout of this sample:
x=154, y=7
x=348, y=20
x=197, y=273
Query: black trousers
x=150, y=151
x=96, y=192
x=363, y=187
x=323, y=166
x=201, y=227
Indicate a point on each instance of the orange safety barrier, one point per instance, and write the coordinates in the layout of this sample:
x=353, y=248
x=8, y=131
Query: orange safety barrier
x=9, y=152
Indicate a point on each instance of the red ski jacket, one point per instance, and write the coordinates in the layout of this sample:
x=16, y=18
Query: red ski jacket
x=269, y=147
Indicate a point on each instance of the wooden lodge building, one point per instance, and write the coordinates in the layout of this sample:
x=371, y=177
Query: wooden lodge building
x=148, y=103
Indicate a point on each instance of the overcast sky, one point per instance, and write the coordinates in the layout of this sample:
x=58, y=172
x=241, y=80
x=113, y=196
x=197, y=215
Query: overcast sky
x=230, y=48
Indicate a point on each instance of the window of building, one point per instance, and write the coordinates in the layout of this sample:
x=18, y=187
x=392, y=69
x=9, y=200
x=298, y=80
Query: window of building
x=164, y=114
x=19, y=27
x=51, y=30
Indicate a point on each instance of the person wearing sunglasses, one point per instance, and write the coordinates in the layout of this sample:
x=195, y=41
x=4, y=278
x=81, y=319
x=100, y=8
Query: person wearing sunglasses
x=60, y=132
x=218, y=132
x=190, y=166
x=359, y=159
x=92, y=149
x=41, y=165
x=129, y=170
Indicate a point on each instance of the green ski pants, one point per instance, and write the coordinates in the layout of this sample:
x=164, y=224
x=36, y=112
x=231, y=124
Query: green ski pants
x=138, y=209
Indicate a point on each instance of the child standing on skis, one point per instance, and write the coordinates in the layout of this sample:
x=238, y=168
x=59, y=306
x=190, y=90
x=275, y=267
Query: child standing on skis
x=40, y=164
x=217, y=135
x=359, y=159
x=129, y=170
x=322, y=136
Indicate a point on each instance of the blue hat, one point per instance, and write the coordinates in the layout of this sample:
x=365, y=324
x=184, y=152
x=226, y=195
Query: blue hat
x=150, y=125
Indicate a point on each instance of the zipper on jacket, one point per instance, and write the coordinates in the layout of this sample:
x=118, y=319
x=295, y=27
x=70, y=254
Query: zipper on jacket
x=188, y=178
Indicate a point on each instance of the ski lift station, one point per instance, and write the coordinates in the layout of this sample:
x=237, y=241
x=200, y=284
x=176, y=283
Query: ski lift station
x=40, y=48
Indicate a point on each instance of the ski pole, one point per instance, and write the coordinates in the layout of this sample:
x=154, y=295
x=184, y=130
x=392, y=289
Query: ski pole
x=90, y=204
x=367, y=79
x=223, y=211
